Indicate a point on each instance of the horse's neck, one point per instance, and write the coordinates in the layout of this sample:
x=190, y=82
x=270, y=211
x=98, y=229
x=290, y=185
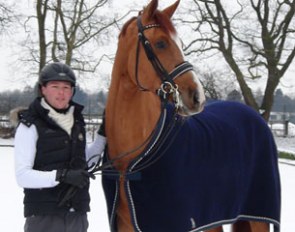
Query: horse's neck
x=131, y=116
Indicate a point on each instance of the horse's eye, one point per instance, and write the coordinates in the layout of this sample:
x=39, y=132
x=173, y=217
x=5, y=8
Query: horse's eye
x=161, y=44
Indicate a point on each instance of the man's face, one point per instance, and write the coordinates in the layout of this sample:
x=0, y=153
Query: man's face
x=58, y=93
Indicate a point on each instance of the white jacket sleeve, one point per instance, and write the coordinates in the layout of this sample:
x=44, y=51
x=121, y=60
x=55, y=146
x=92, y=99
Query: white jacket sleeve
x=24, y=152
x=94, y=150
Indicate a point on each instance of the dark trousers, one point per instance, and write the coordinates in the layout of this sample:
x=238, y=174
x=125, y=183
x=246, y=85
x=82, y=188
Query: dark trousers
x=66, y=222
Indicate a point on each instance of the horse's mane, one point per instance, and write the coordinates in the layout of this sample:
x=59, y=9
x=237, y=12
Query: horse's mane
x=162, y=19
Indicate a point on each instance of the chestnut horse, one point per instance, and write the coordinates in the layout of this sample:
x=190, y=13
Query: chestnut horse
x=154, y=94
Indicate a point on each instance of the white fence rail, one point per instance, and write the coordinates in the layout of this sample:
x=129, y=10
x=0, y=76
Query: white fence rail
x=93, y=123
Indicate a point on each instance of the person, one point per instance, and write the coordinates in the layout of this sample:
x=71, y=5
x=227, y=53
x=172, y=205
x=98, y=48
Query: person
x=51, y=155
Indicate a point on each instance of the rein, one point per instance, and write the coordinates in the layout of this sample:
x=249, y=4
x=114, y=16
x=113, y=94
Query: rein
x=158, y=136
x=109, y=164
x=167, y=88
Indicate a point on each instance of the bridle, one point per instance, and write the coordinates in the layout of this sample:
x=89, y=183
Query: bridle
x=158, y=135
x=168, y=86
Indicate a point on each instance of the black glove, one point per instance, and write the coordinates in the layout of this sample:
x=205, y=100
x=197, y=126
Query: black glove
x=78, y=178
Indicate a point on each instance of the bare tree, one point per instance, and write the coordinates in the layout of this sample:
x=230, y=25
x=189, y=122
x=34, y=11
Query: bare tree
x=216, y=88
x=256, y=39
x=7, y=16
x=68, y=31
x=41, y=10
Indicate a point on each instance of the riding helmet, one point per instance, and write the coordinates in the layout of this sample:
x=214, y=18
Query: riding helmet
x=57, y=72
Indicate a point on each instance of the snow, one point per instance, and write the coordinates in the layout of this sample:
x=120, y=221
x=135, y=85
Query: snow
x=278, y=129
x=11, y=196
x=286, y=144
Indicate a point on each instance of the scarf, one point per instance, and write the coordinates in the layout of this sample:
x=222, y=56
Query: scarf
x=64, y=120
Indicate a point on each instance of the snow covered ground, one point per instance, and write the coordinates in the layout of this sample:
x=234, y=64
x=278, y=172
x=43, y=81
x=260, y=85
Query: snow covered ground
x=286, y=144
x=11, y=213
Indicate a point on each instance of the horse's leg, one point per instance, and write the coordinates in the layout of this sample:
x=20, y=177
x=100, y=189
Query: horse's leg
x=217, y=229
x=246, y=226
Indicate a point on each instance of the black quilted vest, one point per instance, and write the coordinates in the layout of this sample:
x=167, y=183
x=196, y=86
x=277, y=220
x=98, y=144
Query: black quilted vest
x=55, y=150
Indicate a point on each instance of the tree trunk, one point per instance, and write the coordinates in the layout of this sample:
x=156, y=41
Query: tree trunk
x=41, y=16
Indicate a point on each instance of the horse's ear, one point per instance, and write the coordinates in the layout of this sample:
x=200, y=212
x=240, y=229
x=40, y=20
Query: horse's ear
x=150, y=10
x=171, y=9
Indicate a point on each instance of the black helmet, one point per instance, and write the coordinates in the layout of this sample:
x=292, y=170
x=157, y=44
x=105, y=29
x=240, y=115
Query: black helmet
x=57, y=72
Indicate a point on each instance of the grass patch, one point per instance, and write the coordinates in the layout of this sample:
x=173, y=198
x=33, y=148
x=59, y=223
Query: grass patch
x=286, y=155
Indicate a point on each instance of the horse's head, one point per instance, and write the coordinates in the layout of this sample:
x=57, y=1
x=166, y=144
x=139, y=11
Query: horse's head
x=156, y=61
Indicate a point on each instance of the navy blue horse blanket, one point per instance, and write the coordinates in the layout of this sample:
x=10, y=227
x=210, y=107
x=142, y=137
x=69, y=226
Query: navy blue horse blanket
x=215, y=168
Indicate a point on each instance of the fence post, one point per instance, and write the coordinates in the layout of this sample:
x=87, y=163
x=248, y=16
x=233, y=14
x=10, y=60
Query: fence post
x=286, y=128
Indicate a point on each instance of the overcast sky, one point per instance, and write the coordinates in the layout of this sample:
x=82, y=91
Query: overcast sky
x=11, y=77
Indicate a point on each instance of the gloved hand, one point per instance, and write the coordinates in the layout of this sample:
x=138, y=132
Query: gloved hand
x=78, y=178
